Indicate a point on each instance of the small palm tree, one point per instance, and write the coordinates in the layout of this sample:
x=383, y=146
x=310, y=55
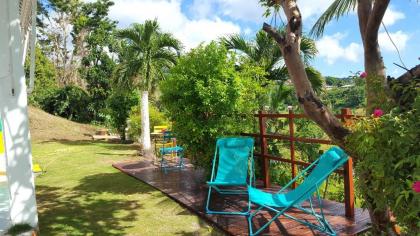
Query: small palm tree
x=266, y=53
x=147, y=54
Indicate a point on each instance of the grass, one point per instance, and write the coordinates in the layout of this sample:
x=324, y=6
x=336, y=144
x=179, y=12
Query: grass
x=80, y=193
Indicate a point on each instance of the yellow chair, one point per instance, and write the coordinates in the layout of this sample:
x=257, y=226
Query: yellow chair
x=159, y=129
x=36, y=168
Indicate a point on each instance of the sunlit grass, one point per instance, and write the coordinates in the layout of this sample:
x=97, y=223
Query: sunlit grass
x=80, y=193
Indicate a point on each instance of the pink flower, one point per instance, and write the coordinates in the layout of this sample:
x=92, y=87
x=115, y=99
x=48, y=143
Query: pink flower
x=416, y=187
x=363, y=75
x=378, y=112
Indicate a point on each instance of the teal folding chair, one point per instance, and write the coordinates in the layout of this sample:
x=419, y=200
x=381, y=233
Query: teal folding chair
x=282, y=201
x=232, y=167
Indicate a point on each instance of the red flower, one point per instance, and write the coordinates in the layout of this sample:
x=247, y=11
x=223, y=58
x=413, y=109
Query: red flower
x=378, y=112
x=416, y=186
x=363, y=75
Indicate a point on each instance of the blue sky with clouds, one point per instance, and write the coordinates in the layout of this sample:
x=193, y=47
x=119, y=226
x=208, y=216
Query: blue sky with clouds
x=340, y=49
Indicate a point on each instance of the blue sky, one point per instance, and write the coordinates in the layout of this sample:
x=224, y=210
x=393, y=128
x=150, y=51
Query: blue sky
x=340, y=49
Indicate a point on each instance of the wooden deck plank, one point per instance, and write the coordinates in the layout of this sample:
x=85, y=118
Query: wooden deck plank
x=187, y=187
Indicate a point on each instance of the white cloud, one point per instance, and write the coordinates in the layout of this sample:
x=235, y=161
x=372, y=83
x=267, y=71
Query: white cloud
x=331, y=49
x=201, y=9
x=172, y=19
x=245, y=10
x=400, y=39
x=391, y=16
x=194, y=32
x=247, y=31
x=313, y=9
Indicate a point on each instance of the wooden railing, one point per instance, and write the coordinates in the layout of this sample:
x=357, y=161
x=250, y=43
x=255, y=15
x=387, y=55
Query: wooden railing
x=347, y=171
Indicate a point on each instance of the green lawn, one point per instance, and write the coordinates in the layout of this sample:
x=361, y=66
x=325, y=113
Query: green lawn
x=82, y=194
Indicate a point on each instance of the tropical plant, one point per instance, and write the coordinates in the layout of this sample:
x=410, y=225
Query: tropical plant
x=156, y=118
x=69, y=102
x=119, y=104
x=148, y=54
x=265, y=53
x=93, y=41
x=388, y=174
x=370, y=15
x=207, y=97
x=45, y=83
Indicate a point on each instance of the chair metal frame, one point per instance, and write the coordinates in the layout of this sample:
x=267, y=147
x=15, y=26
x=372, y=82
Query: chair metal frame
x=215, y=185
x=322, y=226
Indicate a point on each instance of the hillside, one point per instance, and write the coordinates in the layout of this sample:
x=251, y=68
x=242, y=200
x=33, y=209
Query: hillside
x=47, y=127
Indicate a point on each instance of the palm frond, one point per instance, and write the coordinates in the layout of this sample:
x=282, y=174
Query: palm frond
x=316, y=79
x=308, y=49
x=149, y=29
x=167, y=40
x=129, y=34
x=237, y=42
x=337, y=9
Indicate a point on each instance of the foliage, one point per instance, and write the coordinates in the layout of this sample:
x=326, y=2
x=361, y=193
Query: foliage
x=265, y=53
x=405, y=94
x=156, y=118
x=69, y=102
x=119, y=104
x=45, y=83
x=345, y=93
x=388, y=173
x=95, y=29
x=206, y=97
x=54, y=36
x=337, y=9
x=148, y=55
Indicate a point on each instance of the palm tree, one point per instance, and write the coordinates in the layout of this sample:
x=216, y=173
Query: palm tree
x=147, y=53
x=266, y=53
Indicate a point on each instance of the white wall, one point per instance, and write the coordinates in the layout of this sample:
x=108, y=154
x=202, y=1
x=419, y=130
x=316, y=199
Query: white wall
x=13, y=110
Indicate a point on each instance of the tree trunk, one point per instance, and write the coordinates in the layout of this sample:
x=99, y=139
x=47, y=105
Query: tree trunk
x=290, y=46
x=370, y=17
x=145, y=124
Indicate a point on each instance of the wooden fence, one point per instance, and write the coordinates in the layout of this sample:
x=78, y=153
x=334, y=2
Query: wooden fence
x=347, y=171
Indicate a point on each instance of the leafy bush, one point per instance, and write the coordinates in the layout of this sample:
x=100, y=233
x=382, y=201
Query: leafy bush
x=70, y=102
x=45, y=84
x=119, y=104
x=156, y=118
x=389, y=163
x=206, y=97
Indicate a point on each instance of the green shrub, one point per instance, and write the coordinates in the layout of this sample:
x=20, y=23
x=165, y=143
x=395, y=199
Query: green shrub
x=45, y=84
x=156, y=118
x=70, y=102
x=206, y=96
x=119, y=104
x=388, y=163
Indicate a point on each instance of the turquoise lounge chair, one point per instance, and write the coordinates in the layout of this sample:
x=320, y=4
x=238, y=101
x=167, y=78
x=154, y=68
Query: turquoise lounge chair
x=282, y=201
x=234, y=160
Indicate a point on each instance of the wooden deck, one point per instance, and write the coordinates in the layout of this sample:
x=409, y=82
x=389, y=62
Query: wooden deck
x=187, y=187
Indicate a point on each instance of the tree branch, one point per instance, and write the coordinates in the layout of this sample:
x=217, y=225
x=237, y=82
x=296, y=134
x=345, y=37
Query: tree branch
x=407, y=76
x=274, y=33
x=290, y=46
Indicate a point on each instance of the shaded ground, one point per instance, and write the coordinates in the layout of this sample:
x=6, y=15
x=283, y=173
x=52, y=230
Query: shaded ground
x=82, y=194
x=187, y=186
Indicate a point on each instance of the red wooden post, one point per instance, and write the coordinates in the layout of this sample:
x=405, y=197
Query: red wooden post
x=292, y=144
x=263, y=141
x=348, y=176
